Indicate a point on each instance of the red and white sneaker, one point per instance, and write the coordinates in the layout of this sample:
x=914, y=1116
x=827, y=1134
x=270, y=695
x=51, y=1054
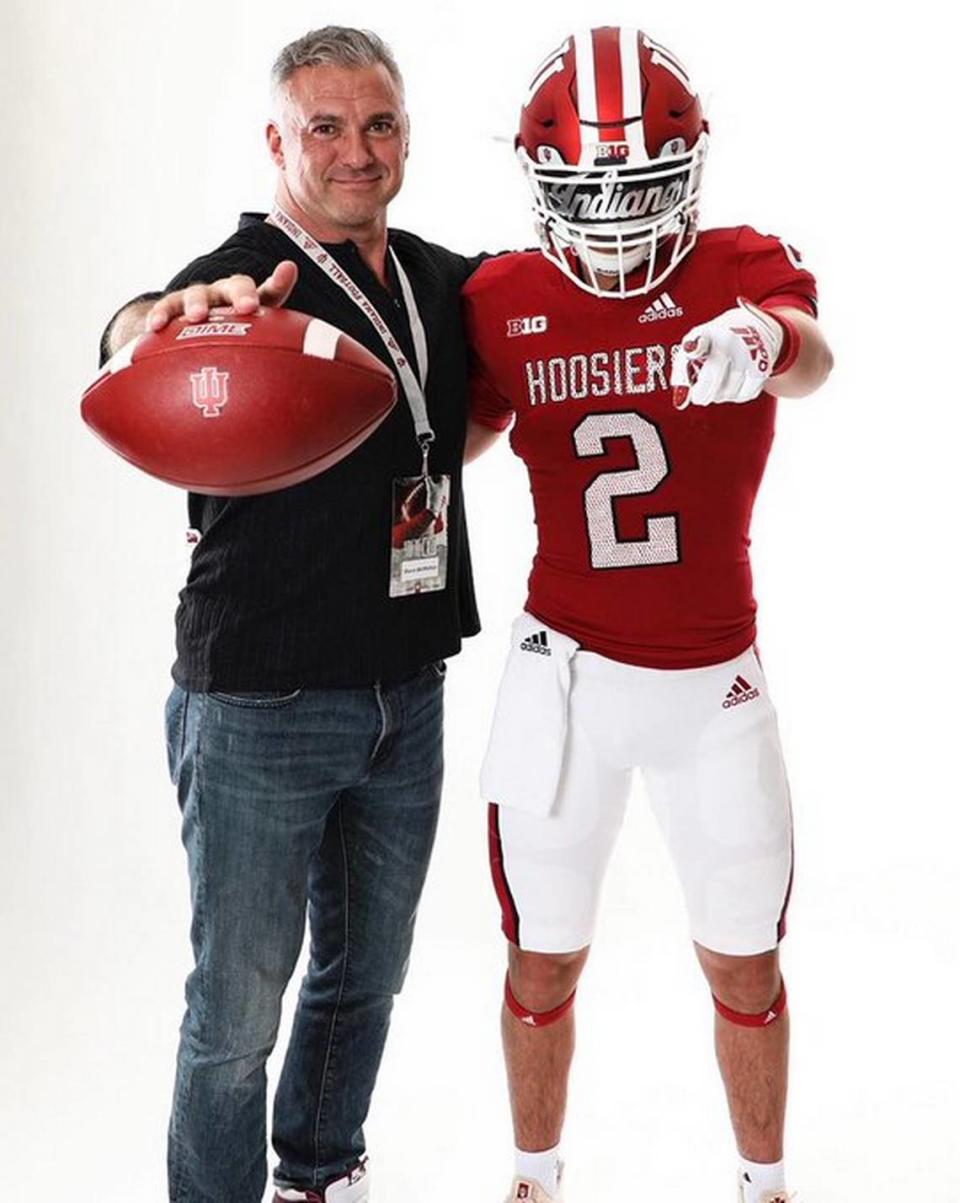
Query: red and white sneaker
x=770, y=1196
x=352, y=1188
x=524, y=1190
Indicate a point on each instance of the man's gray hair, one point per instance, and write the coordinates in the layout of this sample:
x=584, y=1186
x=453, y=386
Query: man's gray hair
x=334, y=46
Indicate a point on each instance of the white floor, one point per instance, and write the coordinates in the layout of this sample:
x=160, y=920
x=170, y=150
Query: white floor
x=88, y=1047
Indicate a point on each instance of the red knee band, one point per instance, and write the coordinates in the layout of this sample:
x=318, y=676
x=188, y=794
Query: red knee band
x=535, y=1019
x=759, y=1020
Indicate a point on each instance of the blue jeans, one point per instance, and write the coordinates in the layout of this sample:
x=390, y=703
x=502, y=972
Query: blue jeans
x=319, y=804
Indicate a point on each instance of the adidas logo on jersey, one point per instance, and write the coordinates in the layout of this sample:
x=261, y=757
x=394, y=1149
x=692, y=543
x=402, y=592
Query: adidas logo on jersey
x=536, y=643
x=663, y=306
x=740, y=691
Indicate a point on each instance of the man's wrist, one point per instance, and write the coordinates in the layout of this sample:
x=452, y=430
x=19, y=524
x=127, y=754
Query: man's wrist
x=126, y=323
x=789, y=348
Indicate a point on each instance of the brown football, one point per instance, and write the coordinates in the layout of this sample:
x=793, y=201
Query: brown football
x=239, y=404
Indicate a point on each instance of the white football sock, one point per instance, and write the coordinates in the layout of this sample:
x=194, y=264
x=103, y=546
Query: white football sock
x=540, y=1167
x=759, y=1179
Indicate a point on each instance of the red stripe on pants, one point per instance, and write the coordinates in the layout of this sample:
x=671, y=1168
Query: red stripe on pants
x=510, y=920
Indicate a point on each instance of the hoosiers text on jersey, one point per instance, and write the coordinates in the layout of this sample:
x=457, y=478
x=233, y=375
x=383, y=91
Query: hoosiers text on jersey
x=643, y=511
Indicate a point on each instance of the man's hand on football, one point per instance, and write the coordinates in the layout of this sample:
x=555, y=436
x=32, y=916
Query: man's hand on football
x=729, y=358
x=240, y=293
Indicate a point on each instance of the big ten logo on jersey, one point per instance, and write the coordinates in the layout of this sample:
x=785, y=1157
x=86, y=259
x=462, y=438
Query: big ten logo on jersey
x=623, y=371
x=517, y=326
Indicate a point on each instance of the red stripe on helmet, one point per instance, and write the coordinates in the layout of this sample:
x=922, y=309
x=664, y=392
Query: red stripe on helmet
x=609, y=78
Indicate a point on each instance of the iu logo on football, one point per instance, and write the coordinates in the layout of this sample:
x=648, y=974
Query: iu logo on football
x=209, y=391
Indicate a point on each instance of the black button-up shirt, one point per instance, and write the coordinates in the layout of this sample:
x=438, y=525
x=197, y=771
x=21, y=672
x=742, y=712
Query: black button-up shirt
x=291, y=588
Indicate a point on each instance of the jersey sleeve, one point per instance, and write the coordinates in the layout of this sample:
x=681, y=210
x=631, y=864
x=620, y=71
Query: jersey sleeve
x=771, y=273
x=486, y=405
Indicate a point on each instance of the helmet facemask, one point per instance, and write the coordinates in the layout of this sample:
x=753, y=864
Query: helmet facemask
x=612, y=142
x=608, y=222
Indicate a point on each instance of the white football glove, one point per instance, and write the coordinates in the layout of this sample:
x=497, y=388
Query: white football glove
x=729, y=358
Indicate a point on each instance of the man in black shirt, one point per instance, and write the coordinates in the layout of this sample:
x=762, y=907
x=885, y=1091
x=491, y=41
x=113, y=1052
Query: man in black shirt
x=305, y=725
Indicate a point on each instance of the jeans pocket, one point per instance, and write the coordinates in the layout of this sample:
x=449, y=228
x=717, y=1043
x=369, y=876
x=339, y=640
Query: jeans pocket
x=265, y=699
x=175, y=722
x=438, y=668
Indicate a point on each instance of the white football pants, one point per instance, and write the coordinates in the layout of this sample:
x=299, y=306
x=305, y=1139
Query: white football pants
x=706, y=743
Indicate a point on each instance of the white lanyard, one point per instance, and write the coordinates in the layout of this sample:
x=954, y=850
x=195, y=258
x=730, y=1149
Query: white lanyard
x=412, y=387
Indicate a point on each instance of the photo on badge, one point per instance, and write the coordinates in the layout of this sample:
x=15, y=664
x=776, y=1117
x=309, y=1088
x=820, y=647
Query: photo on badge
x=418, y=556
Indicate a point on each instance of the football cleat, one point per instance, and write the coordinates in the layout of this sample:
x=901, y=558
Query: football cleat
x=612, y=141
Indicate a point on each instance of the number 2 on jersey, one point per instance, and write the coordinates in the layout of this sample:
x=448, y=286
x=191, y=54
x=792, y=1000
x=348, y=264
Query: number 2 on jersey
x=661, y=546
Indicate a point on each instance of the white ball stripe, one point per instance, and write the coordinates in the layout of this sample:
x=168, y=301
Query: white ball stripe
x=320, y=339
x=121, y=359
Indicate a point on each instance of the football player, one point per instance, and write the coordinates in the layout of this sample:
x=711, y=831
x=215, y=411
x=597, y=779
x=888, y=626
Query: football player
x=639, y=362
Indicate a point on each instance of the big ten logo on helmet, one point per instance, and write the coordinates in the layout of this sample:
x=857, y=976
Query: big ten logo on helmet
x=622, y=371
x=517, y=326
x=610, y=154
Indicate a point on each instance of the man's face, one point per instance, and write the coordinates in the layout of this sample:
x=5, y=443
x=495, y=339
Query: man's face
x=340, y=142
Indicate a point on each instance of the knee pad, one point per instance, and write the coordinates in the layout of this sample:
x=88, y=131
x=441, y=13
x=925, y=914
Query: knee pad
x=759, y=1020
x=535, y=1019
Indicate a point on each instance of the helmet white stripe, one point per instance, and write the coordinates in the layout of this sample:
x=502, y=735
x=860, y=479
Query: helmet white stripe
x=586, y=91
x=663, y=58
x=550, y=66
x=560, y=51
x=586, y=76
x=651, y=44
x=632, y=92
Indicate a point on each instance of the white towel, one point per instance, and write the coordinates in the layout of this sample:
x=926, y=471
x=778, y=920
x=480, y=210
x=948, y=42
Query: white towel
x=525, y=754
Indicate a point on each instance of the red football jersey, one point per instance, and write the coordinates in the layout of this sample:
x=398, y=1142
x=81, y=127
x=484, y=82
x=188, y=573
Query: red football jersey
x=642, y=511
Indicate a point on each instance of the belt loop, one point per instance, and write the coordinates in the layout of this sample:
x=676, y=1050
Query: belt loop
x=384, y=720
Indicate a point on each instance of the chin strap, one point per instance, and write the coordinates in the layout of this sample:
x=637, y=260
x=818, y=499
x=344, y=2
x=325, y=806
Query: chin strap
x=759, y=1020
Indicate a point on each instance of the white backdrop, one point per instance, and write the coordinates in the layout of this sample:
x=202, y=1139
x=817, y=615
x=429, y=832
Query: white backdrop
x=132, y=138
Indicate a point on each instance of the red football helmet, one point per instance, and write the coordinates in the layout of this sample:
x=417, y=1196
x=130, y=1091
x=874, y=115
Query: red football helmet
x=612, y=140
